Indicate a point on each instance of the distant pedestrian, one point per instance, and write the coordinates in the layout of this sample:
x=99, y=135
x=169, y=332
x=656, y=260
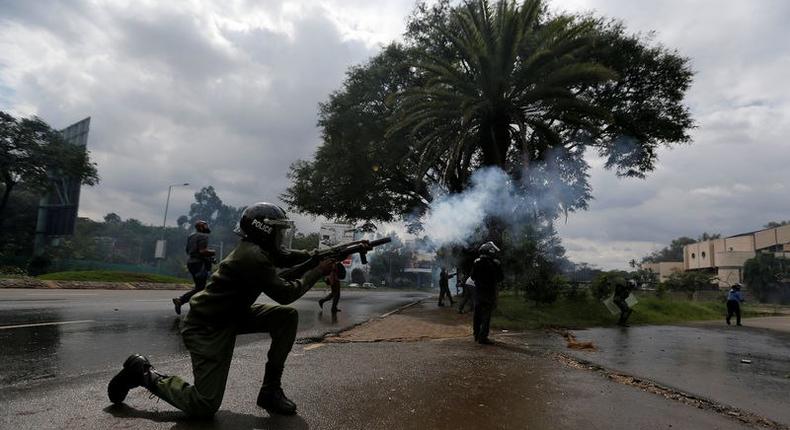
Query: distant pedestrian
x=333, y=280
x=444, y=286
x=199, y=259
x=467, y=295
x=734, y=300
x=622, y=290
x=487, y=274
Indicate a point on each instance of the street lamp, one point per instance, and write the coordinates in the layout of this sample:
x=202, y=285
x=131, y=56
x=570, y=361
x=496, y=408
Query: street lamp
x=160, y=246
x=167, y=204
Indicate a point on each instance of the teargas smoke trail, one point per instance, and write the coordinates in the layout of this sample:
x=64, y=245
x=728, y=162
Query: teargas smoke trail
x=453, y=218
x=542, y=193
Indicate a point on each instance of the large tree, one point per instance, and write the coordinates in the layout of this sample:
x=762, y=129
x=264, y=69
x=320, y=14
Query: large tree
x=509, y=85
x=30, y=151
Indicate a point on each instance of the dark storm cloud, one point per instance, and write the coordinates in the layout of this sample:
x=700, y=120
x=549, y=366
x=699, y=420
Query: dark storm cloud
x=732, y=179
x=179, y=95
x=227, y=93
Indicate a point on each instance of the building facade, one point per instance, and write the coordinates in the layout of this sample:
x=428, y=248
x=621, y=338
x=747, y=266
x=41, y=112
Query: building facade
x=727, y=256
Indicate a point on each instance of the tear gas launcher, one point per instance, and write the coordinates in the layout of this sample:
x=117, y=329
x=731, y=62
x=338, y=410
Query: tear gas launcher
x=337, y=252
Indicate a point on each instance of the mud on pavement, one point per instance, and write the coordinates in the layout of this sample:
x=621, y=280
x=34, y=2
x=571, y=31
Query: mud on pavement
x=420, y=321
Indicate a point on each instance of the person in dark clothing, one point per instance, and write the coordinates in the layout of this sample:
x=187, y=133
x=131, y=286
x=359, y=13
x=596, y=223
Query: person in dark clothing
x=487, y=274
x=444, y=286
x=225, y=309
x=333, y=280
x=467, y=295
x=622, y=290
x=734, y=300
x=199, y=260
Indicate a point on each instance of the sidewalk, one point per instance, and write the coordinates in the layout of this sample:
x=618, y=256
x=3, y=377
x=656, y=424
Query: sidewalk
x=421, y=321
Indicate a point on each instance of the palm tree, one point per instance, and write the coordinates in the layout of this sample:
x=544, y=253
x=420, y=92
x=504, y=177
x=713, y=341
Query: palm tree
x=503, y=85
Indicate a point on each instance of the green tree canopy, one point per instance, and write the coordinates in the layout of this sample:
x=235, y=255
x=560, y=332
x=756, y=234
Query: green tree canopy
x=768, y=277
x=502, y=84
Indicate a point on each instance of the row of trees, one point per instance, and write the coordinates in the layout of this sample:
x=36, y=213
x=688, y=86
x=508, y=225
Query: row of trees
x=126, y=242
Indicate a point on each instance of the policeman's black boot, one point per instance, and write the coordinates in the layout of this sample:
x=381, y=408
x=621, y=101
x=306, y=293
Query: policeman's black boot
x=177, y=304
x=271, y=396
x=137, y=372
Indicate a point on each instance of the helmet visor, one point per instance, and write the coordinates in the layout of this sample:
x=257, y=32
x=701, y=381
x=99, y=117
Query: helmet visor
x=282, y=237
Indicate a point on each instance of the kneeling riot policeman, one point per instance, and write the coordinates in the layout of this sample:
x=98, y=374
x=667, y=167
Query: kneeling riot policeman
x=226, y=308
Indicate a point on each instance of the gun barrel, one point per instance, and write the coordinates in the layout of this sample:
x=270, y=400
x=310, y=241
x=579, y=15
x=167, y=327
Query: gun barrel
x=381, y=241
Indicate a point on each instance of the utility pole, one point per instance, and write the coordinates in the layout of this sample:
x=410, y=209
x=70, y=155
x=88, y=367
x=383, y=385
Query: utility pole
x=160, y=245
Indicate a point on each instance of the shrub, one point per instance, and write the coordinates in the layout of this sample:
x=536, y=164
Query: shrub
x=661, y=290
x=690, y=282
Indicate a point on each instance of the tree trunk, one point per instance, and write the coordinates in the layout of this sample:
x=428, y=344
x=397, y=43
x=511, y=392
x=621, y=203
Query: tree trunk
x=494, y=142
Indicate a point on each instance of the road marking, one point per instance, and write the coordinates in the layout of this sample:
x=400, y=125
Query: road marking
x=6, y=327
x=62, y=294
x=157, y=300
x=313, y=346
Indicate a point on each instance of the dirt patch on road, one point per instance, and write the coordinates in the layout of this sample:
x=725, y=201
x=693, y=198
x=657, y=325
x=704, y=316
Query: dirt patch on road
x=422, y=321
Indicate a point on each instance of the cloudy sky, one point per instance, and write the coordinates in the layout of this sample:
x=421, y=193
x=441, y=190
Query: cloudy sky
x=226, y=94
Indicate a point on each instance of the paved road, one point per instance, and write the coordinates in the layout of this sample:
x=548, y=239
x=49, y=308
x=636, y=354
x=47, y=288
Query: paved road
x=446, y=384
x=705, y=360
x=55, y=334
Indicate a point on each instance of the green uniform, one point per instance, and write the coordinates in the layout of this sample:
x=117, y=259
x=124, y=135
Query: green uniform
x=226, y=309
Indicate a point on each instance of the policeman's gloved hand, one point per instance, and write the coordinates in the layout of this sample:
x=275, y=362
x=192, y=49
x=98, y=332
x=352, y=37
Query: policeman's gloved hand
x=326, y=266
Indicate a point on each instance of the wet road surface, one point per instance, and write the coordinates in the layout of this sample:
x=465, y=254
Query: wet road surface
x=440, y=384
x=705, y=360
x=51, y=334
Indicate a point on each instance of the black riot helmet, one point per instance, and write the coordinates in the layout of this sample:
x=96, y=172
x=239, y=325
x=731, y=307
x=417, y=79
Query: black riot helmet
x=264, y=224
x=489, y=249
x=202, y=226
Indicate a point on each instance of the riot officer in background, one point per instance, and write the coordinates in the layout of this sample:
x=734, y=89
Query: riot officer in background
x=622, y=290
x=444, y=286
x=200, y=258
x=487, y=274
x=333, y=281
x=225, y=309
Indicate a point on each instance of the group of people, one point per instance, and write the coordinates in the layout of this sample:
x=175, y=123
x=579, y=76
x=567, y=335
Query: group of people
x=222, y=306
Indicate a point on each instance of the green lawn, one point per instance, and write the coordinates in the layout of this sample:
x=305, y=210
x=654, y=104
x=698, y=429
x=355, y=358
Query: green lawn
x=110, y=276
x=514, y=313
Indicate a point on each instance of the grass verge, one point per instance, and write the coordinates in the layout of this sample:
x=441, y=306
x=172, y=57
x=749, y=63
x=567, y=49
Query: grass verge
x=516, y=314
x=110, y=276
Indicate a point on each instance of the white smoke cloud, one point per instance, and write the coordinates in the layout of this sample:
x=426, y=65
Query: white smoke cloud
x=453, y=218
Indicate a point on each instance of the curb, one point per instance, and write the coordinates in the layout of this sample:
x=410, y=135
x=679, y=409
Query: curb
x=322, y=337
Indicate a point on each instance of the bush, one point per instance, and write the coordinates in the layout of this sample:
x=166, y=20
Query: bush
x=542, y=284
x=764, y=275
x=661, y=290
x=690, y=282
x=12, y=271
x=39, y=264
